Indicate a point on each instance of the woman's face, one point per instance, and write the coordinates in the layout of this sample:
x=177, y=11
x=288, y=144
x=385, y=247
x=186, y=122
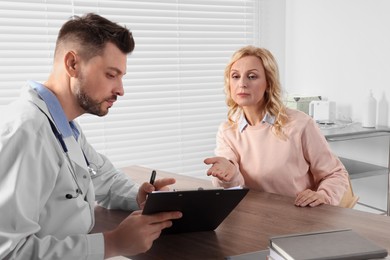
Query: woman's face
x=248, y=82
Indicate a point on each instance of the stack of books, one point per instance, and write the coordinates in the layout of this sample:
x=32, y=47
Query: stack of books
x=330, y=244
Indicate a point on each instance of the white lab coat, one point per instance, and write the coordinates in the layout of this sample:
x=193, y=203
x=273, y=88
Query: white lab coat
x=36, y=220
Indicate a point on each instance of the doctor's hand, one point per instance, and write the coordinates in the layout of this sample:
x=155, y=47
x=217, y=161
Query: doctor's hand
x=309, y=198
x=146, y=188
x=136, y=233
x=221, y=168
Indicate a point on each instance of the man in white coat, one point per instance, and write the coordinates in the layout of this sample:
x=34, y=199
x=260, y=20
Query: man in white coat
x=47, y=185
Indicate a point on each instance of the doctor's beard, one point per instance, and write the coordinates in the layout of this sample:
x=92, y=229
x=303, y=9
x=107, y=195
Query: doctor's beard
x=89, y=105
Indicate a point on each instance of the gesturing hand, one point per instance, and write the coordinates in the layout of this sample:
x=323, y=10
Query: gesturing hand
x=221, y=168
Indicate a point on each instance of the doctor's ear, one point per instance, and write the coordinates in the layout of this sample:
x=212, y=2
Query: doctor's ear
x=71, y=62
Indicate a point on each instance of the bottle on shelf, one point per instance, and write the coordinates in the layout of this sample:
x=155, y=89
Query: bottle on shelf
x=369, y=111
x=383, y=111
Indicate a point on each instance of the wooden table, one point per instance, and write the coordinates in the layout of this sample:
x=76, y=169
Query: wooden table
x=248, y=228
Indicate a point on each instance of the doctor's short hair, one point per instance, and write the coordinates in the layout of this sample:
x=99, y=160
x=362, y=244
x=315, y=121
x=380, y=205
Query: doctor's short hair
x=273, y=94
x=92, y=32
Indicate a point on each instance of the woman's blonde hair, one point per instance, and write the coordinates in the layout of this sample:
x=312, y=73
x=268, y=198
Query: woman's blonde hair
x=273, y=93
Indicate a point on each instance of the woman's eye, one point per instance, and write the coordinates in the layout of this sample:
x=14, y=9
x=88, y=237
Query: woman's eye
x=252, y=77
x=235, y=76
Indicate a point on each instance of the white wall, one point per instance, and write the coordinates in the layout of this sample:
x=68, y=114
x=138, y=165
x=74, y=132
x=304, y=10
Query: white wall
x=273, y=30
x=339, y=49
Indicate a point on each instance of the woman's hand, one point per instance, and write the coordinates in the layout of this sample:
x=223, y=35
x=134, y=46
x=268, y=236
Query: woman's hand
x=309, y=198
x=221, y=168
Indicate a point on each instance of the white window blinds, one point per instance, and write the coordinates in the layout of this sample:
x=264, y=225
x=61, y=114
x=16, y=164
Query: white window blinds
x=174, y=98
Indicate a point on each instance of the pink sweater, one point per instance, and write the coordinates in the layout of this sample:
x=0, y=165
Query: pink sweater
x=268, y=163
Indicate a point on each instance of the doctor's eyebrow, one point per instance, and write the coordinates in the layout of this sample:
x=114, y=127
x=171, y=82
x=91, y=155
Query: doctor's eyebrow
x=118, y=71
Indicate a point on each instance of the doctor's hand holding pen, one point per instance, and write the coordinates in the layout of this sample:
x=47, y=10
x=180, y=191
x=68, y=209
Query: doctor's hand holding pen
x=137, y=232
x=153, y=185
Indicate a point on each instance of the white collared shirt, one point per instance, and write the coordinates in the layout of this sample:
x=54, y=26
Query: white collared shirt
x=243, y=123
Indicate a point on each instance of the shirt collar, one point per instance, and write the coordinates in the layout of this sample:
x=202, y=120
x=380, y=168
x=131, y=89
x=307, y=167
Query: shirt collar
x=242, y=122
x=57, y=113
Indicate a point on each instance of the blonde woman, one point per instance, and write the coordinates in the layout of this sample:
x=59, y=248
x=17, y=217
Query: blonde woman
x=267, y=147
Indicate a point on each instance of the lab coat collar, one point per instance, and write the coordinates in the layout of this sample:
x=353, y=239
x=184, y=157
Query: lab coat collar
x=54, y=107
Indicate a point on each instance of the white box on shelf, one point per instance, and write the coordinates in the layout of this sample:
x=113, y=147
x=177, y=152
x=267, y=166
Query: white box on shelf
x=300, y=102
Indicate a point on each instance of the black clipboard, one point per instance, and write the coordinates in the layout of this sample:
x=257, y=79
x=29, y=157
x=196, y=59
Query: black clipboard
x=203, y=210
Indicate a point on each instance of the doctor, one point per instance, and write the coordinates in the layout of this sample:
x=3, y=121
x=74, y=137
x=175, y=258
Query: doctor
x=50, y=176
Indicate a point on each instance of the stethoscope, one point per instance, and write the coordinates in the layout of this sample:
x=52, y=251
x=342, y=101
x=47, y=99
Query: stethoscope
x=91, y=170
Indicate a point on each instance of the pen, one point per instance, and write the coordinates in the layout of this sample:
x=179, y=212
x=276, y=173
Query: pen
x=152, y=177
